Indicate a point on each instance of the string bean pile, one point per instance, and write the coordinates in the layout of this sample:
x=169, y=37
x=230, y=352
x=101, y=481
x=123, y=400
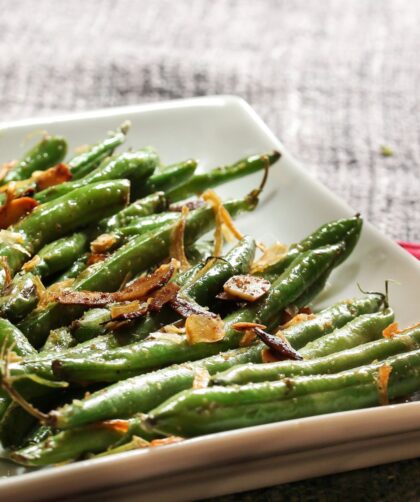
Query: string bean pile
x=121, y=328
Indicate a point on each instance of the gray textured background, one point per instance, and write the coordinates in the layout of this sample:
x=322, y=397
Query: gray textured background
x=334, y=79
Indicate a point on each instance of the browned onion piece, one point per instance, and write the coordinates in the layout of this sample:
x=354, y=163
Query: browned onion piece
x=144, y=285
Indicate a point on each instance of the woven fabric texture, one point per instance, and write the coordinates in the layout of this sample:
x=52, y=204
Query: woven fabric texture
x=334, y=79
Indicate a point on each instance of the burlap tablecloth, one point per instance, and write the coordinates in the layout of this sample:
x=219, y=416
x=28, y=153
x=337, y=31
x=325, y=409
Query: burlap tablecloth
x=334, y=79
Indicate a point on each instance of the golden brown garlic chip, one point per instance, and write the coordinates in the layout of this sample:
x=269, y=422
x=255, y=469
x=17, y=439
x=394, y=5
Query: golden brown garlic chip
x=204, y=329
x=246, y=287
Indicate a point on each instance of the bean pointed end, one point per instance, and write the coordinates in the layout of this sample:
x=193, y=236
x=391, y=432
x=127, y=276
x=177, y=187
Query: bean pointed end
x=274, y=156
x=125, y=126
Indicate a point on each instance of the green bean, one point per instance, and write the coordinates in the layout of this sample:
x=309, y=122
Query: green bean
x=12, y=337
x=332, y=363
x=74, y=270
x=200, y=182
x=50, y=221
x=144, y=392
x=84, y=163
x=314, y=290
x=15, y=424
x=331, y=318
x=134, y=443
x=91, y=324
x=322, y=324
x=38, y=434
x=143, y=225
x=153, y=353
x=137, y=255
x=48, y=152
x=214, y=409
x=83, y=206
x=238, y=260
x=153, y=203
x=347, y=230
x=201, y=290
x=75, y=443
x=362, y=329
x=169, y=178
x=60, y=254
x=20, y=297
x=200, y=251
x=135, y=166
x=304, y=271
x=70, y=445
x=4, y=404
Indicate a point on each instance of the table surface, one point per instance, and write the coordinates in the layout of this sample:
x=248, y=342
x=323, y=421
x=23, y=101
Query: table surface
x=335, y=80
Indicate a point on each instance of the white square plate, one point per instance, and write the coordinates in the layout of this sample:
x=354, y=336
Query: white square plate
x=220, y=130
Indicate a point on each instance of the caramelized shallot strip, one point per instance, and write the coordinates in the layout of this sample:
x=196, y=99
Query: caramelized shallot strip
x=165, y=441
x=134, y=310
x=32, y=263
x=115, y=425
x=52, y=176
x=177, y=248
x=186, y=307
x=222, y=217
x=7, y=274
x=211, y=197
x=163, y=296
x=15, y=209
x=270, y=256
x=383, y=380
x=137, y=290
x=391, y=330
